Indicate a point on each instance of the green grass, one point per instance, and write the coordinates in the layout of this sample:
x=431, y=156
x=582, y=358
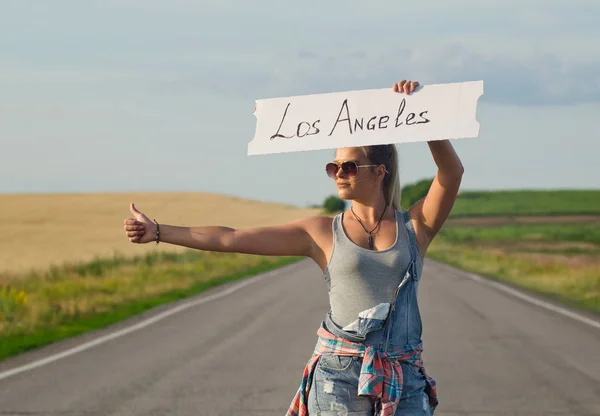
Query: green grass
x=526, y=202
x=73, y=299
x=558, y=232
x=531, y=256
x=578, y=287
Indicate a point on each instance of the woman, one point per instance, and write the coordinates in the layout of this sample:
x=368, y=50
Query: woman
x=368, y=356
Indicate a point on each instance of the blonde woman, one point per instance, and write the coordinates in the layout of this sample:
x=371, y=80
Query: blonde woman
x=368, y=357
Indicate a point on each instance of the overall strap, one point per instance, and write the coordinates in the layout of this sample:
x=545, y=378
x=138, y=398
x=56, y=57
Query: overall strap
x=412, y=238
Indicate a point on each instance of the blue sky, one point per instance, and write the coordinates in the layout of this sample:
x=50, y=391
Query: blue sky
x=132, y=95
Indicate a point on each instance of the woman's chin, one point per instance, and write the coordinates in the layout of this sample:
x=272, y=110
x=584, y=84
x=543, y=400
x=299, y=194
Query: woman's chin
x=344, y=194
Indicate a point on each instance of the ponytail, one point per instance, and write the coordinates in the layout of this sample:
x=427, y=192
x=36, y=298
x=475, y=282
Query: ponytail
x=387, y=155
x=391, y=189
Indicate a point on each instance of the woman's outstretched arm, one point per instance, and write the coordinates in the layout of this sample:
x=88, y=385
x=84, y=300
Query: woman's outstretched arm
x=291, y=239
x=283, y=240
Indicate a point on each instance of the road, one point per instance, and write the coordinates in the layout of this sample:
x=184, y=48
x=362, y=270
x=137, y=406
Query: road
x=241, y=351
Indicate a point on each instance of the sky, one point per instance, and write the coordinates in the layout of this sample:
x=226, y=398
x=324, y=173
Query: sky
x=142, y=95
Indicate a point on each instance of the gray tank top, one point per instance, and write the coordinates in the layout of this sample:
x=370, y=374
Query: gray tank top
x=359, y=279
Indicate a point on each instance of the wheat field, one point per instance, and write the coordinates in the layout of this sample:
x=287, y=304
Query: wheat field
x=40, y=230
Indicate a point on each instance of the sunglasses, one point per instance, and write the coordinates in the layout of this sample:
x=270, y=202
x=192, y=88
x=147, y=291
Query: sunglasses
x=349, y=168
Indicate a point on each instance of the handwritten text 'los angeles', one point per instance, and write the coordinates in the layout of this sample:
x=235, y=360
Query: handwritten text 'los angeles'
x=311, y=128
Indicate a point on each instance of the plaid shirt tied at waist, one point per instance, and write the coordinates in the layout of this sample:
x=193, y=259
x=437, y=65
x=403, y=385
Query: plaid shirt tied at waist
x=380, y=375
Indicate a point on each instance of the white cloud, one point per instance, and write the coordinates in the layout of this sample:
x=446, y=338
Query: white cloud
x=539, y=79
x=269, y=49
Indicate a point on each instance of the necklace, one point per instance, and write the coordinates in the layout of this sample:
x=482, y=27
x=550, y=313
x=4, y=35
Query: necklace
x=371, y=244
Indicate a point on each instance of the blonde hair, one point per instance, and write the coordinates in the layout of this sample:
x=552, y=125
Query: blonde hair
x=387, y=155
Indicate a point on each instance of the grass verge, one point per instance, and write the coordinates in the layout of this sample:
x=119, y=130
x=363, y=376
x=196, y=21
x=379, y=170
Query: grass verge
x=558, y=261
x=39, y=309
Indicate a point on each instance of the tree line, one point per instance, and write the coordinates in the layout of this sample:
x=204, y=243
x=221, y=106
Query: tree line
x=409, y=194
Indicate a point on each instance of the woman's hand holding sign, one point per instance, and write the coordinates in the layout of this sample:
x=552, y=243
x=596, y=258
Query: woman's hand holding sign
x=405, y=86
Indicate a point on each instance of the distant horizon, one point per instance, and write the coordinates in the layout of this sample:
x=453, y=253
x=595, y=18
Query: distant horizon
x=227, y=195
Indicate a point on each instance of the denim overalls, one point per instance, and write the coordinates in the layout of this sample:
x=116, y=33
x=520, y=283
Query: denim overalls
x=334, y=387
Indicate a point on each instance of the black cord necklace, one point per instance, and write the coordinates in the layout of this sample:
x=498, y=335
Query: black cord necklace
x=371, y=243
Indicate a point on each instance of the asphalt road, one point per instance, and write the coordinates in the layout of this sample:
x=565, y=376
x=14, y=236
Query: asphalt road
x=241, y=351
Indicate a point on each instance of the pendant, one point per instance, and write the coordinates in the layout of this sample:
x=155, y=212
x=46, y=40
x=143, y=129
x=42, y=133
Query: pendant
x=371, y=245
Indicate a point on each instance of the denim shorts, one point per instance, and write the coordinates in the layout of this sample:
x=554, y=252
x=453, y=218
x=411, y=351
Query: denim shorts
x=334, y=391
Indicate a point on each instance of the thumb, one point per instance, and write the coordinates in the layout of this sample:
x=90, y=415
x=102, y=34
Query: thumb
x=137, y=214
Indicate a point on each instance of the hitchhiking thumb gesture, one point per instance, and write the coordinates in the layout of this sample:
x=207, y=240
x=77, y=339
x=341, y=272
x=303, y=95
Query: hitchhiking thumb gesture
x=139, y=229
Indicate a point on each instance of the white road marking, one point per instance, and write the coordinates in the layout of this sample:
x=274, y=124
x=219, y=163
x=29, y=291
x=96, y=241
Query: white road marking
x=136, y=327
x=530, y=299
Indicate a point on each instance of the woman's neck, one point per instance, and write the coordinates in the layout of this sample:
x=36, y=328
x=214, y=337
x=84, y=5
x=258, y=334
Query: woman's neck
x=370, y=211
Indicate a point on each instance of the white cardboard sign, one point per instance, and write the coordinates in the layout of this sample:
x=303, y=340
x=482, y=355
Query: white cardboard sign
x=366, y=117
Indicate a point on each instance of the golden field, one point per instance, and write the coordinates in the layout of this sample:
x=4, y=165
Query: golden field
x=40, y=230
x=66, y=266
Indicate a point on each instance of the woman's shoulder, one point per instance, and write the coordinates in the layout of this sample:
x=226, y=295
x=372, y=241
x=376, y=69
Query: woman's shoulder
x=320, y=221
x=319, y=226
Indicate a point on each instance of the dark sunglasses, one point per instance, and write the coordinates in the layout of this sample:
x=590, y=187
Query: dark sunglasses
x=349, y=168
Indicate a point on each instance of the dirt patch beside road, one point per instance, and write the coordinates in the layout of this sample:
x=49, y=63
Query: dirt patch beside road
x=537, y=219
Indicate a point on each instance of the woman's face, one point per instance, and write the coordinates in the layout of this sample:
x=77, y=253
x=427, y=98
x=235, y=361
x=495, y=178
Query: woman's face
x=359, y=186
